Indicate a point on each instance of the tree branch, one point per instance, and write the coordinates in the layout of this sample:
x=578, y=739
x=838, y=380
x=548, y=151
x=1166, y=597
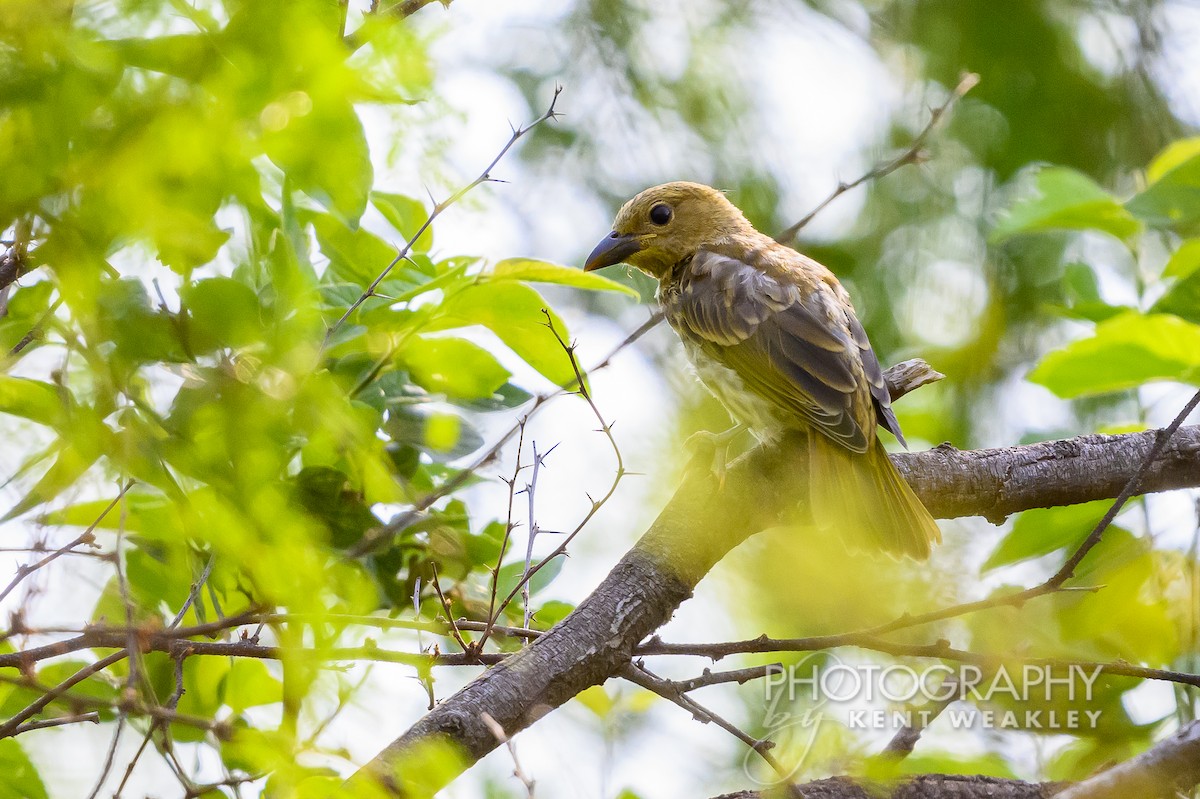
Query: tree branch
x=700, y=525
x=1169, y=766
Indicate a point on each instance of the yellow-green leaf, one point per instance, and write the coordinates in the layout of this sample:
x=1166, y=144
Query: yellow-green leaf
x=517, y=314
x=1067, y=200
x=1125, y=352
x=453, y=366
x=534, y=271
x=1173, y=155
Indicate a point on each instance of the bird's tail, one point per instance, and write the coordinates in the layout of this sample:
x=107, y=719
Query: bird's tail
x=862, y=494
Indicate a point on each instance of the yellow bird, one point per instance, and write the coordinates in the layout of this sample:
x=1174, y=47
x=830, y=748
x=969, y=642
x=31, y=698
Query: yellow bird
x=773, y=335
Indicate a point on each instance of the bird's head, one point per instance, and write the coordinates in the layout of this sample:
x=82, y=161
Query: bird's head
x=665, y=224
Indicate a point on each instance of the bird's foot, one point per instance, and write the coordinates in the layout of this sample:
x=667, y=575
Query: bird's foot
x=711, y=450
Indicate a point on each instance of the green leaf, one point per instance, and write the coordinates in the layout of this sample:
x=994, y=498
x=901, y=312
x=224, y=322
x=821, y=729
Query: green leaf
x=534, y=271
x=1184, y=261
x=458, y=368
x=358, y=256
x=510, y=575
x=250, y=684
x=187, y=55
x=39, y=402
x=1066, y=200
x=27, y=305
x=21, y=778
x=1174, y=155
x=1172, y=200
x=1125, y=352
x=320, y=144
x=224, y=313
x=506, y=397
x=1182, y=299
x=406, y=215
x=140, y=333
x=68, y=467
x=514, y=312
x=1041, y=531
x=443, y=436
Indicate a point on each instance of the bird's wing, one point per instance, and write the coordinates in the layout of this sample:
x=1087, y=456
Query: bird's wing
x=793, y=344
x=879, y=390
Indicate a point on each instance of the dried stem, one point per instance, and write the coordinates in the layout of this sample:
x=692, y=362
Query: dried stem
x=910, y=156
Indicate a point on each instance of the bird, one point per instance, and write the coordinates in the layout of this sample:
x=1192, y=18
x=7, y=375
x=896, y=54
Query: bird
x=773, y=335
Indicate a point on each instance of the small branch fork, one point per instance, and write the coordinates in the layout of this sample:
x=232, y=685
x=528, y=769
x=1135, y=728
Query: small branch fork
x=484, y=177
x=581, y=388
x=913, y=155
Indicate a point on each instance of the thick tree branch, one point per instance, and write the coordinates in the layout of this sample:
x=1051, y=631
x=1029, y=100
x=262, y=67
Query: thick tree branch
x=1171, y=765
x=700, y=525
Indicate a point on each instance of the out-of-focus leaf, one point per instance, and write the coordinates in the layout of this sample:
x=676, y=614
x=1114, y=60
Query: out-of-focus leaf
x=514, y=312
x=442, y=435
x=249, y=684
x=510, y=574
x=551, y=613
x=535, y=271
x=406, y=215
x=224, y=313
x=150, y=515
x=455, y=367
x=30, y=399
x=1184, y=261
x=1174, y=155
x=1066, y=200
x=26, y=307
x=140, y=333
x=320, y=143
x=504, y=398
x=1125, y=352
x=68, y=466
x=358, y=256
x=329, y=495
x=1182, y=299
x=21, y=778
x=1172, y=200
x=1083, y=295
x=1040, y=531
x=187, y=55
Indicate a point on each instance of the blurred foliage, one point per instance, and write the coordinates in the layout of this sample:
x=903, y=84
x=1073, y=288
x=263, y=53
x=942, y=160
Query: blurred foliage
x=192, y=203
x=219, y=332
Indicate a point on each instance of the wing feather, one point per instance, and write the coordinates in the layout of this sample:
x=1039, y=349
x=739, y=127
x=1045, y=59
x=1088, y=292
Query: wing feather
x=799, y=349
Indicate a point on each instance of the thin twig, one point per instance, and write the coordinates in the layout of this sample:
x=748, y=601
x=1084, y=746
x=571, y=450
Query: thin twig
x=437, y=589
x=1055, y=582
x=597, y=504
x=9, y=728
x=509, y=525
x=109, y=758
x=939, y=649
x=438, y=208
x=905, y=739
x=910, y=156
x=503, y=738
x=194, y=592
x=376, y=538
x=86, y=537
x=639, y=675
x=92, y=717
x=37, y=331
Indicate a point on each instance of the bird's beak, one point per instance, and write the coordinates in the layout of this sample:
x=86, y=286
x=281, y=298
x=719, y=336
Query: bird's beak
x=612, y=249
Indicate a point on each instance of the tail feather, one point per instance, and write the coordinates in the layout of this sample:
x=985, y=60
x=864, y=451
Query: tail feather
x=864, y=495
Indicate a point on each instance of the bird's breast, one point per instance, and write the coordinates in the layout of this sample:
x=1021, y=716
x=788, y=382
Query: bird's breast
x=743, y=404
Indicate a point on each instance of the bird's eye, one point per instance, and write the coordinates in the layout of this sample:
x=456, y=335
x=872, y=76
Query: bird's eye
x=660, y=214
